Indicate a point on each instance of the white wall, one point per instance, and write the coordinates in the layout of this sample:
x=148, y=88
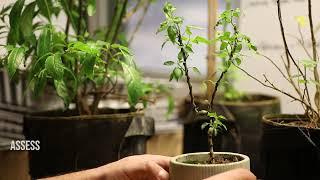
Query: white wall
x=260, y=22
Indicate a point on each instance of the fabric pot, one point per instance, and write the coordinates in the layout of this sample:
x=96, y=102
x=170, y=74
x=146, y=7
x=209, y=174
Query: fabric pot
x=288, y=151
x=180, y=170
x=72, y=143
x=244, y=127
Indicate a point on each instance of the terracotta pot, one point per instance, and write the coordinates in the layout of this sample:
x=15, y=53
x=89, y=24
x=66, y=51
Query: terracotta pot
x=180, y=170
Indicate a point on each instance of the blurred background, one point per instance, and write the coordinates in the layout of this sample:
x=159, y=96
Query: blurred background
x=258, y=21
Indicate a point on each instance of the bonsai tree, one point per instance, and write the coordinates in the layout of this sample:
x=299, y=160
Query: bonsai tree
x=307, y=76
x=231, y=44
x=82, y=68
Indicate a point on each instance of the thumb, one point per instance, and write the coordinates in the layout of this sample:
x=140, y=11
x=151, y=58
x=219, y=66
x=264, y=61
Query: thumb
x=156, y=171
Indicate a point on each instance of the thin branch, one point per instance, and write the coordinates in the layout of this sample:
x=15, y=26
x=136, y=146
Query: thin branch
x=272, y=86
x=80, y=11
x=275, y=65
x=122, y=13
x=314, y=56
x=186, y=70
x=134, y=10
x=145, y=10
x=288, y=53
x=98, y=97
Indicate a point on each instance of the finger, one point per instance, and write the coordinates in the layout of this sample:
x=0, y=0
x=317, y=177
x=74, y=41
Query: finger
x=163, y=161
x=156, y=171
x=236, y=174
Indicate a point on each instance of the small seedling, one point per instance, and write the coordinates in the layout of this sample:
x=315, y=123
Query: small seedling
x=182, y=38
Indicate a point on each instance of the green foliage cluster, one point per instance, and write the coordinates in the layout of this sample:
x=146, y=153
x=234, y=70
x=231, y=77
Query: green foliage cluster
x=229, y=91
x=77, y=66
x=230, y=43
x=184, y=41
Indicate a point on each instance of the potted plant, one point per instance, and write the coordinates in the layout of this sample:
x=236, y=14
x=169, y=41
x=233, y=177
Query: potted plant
x=82, y=71
x=202, y=165
x=291, y=142
x=243, y=110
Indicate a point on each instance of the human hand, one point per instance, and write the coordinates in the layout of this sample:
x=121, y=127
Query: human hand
x=236, y=174
x=141, y=167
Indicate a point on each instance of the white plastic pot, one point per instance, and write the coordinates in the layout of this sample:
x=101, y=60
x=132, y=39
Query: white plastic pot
x=185, y=171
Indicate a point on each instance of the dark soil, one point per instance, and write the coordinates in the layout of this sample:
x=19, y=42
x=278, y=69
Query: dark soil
x=218, y=159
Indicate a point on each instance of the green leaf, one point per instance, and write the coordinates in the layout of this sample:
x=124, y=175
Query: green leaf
x=188, y=31
x=223, y=45
x=14, y=20
x=26, y=26
x=55, y=67
x=135, y=92
x=212, y=115
x=62, y=91
x=189, y=48
x=180, y=55
x=170, y=105
x=172, y=34
x=88, y=66
x=168, y=63
x=46, y=8
x=238, y=60
x=302, y=81
x=177, y=73
x=199, y=39
x=309, y=63
x=196, y=70
x=239, y=48
x=135, y=86
x=40, y=82
x=204, y=125
x=194, y=27
x=89, y=47
x=44, y=42
x=164, y=43
x=91, y=8
x=163, y=26
x=15, y=59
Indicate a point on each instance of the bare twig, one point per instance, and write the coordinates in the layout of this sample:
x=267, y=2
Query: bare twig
x=272, y=86
x=289, y=56
x=314, y=57
x=145, y=10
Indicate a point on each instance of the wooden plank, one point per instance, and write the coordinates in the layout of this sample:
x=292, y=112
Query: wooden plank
x=212, y=19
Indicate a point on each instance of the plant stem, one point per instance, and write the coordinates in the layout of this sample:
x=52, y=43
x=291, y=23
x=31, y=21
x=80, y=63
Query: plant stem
x=216, y=88
x=185, y=58
x=80, y=17
x=210, y=143
x=68, y=20
x=288, y=53
x=121, y=10
x=122, y=13
x=145, y=10
x=314, y=56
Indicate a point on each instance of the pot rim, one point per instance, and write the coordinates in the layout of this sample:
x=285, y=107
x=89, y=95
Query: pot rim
x=273, y=100
x=87, y=117
x=270, y=120
x=174, y=159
